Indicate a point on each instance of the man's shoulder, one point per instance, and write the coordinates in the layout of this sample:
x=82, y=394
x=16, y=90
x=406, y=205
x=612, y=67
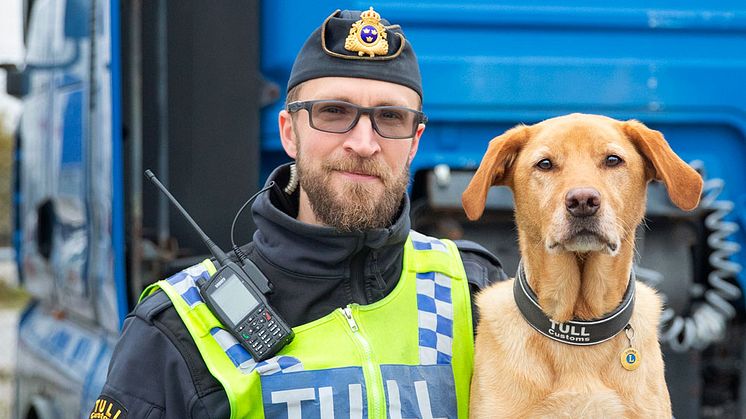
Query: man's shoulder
x=154, y=337
x=482, y=266
x=157, y=305
x=142, y=349
x=153, y=306
x=156, y=316
x=158, y=312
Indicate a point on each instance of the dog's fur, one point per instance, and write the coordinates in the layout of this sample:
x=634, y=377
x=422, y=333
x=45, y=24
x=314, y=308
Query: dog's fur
x=579, y=267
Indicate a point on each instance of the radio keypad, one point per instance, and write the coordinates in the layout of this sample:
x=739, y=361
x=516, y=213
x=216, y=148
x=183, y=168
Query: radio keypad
x=260, y=331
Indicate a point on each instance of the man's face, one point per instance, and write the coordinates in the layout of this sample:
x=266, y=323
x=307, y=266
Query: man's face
x=354, y=180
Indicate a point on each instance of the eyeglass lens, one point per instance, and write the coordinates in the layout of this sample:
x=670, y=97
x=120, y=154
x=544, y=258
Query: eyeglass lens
x=339, y=117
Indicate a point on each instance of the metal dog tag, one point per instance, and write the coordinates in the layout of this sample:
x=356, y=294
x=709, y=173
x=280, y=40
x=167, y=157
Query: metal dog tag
x=630, y=357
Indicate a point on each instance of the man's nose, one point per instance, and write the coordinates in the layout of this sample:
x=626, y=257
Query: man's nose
x=362, y=139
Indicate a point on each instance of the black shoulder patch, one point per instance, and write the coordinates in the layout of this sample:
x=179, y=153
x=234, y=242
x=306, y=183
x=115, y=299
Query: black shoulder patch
x=108, y=408
x=152, y=305
x=482, y=267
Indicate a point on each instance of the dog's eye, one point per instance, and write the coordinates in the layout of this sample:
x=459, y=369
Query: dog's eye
x=544, y=164
x=613, y=160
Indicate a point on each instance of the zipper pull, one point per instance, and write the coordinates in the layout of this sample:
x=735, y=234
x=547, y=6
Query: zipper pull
x=347, y=311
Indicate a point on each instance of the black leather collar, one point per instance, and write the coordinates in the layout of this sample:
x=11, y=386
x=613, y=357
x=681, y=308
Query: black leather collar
x=574, y=332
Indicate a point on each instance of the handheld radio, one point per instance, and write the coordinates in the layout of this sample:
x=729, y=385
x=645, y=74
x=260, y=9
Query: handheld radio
x=234, y=297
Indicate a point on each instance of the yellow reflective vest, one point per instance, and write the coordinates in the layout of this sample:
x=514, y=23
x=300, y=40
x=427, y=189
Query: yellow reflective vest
x=407, y=355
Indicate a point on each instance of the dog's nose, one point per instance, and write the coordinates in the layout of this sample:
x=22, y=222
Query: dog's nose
x=582, y=202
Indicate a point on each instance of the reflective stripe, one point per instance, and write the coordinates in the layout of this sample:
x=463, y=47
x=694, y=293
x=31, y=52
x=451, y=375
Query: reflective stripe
x=422, y=242
x=434, y=307
x=435, y=318
x=281, y=363
x=185, y=283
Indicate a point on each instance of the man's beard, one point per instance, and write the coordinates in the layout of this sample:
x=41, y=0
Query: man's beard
x=353, y=208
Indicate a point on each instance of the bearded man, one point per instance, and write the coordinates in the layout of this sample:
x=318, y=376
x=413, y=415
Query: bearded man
x=382, y=315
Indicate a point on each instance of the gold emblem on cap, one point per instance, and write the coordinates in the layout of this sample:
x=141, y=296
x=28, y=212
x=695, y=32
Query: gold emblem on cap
x=367, y=35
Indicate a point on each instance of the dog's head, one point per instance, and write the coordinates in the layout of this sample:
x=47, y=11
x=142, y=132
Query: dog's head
x=579, y=181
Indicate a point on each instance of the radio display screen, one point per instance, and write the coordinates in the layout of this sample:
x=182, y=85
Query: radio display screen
x=234, y=299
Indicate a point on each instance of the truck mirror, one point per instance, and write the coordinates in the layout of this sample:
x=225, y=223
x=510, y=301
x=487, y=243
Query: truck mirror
x=16, y=81
x=45, y=228
x=77, y=18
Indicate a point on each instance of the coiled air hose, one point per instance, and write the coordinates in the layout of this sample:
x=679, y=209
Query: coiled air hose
x=708, y=320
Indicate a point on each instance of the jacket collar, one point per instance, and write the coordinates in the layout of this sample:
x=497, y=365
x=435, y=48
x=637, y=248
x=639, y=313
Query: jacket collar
x=319, y=251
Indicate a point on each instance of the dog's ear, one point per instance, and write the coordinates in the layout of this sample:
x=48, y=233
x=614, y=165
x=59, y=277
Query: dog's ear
x=500, y=154
x=684, y=184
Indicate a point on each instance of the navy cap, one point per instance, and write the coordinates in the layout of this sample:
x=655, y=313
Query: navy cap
x=357, y=44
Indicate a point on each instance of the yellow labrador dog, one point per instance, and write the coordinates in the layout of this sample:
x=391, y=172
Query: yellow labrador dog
x=574, y=335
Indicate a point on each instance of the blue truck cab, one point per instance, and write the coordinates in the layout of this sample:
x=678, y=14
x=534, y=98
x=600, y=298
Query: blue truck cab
x=69, y=253
x=192, y=90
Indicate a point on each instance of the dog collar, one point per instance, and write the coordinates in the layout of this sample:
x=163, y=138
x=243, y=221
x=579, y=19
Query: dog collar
x=574, y=332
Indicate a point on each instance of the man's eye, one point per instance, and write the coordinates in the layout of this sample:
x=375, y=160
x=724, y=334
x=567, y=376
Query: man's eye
x=331, y=109
x=392, y=115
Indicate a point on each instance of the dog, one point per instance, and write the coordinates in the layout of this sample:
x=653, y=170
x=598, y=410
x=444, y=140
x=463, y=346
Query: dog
x=579, y=183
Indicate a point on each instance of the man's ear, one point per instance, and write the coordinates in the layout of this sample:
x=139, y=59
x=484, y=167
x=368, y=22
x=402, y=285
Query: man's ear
x=500, y=155
x=287, y=133
x=684, y=184
x=416, y=142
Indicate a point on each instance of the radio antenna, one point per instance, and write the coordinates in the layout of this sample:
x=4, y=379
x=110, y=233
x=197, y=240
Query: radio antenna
x=214, y=249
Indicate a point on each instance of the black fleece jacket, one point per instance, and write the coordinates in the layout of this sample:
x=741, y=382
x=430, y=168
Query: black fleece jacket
x=156, y=370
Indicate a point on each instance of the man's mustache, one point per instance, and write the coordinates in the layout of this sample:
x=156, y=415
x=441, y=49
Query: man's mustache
x=366, y=167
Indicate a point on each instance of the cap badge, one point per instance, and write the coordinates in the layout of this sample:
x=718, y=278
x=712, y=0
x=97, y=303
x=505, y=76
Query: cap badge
x=367, y=35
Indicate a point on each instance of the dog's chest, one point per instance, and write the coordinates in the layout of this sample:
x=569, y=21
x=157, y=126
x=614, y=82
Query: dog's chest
x=587, y=380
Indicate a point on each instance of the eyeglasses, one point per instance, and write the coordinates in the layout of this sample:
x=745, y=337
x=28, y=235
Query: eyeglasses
x=336, y=116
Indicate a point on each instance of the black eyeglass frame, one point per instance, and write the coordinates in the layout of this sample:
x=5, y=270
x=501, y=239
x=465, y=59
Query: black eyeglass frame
x=421, y=118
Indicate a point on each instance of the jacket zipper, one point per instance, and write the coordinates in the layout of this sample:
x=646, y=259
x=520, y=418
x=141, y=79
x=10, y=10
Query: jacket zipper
x=380, y=283
x=371, y=372
x=357, y=276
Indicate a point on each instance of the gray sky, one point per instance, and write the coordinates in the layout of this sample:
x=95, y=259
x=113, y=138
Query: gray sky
x=11, y=49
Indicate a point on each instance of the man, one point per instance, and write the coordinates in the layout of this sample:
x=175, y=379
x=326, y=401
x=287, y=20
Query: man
x=382, y=315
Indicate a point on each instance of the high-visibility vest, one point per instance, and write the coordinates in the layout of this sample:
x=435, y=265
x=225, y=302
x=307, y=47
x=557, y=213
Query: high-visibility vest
x=407, y=355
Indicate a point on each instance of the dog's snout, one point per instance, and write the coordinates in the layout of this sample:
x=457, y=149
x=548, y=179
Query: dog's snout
x=582, y=202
